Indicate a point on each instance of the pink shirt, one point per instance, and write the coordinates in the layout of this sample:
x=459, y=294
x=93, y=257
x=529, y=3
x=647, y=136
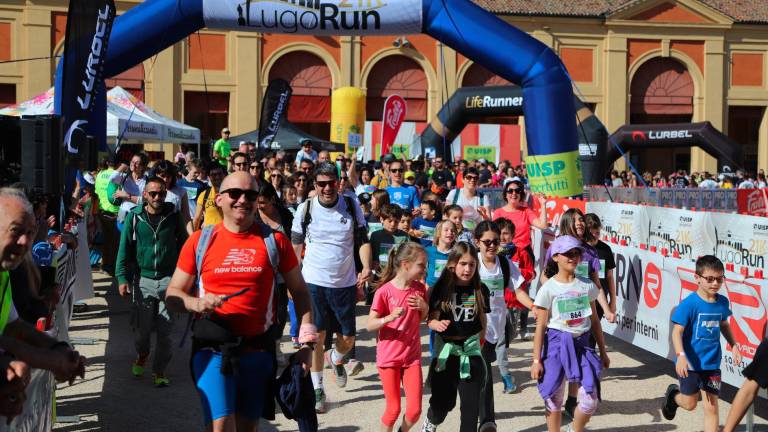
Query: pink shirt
x=522, y=219
x=398, y=343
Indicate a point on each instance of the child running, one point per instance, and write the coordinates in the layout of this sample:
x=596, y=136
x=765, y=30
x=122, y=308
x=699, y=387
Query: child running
x=698, y=321
x=437, y=258
x=566, y=315
x=497, y=273
x=457, y=312
x=455, y=214
x=399, y=306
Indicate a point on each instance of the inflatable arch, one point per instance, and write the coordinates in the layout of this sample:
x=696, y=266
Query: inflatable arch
x=154, y=25
x=674, y=135
x=471, y=103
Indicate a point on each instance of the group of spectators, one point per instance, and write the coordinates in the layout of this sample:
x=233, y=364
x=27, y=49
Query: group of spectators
x=681, y=179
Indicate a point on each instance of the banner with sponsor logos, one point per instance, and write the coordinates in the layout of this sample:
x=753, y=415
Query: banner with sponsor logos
x=274, y=108
x=391, y=120
x=316, y=17
x=557, y=206
x=753, y=201
x=625, y=222
x=741, y=240
x=688, y=233
x=649, y=288
x=480, y=152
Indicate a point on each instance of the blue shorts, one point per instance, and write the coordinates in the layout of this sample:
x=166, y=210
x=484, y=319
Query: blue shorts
x=334, y=302
x=708, y=380
x=223, y=395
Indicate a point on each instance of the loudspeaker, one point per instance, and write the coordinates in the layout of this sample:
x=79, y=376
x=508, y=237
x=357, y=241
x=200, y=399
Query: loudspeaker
x=42, y=158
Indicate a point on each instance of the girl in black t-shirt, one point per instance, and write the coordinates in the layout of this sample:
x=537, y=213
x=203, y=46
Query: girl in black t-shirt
x=457, y=307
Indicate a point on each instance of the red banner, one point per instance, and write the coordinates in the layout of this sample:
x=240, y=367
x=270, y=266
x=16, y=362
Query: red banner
x=753, y=201
x=392, y=119
x=557, y=206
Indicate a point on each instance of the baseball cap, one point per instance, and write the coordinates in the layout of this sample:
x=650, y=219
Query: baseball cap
x=89, y=178
x=388, y=158
x=482, y=161
x=305, y=142
x=565, y=243
x=364, y=198
x=409, y=174
x=225, y=130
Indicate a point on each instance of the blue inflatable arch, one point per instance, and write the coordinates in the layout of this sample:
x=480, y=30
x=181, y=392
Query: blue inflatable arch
x=474, y=32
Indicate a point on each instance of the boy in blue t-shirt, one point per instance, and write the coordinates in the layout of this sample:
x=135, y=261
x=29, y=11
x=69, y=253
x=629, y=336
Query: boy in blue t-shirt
x=424, y=225
x=698, y=322
x=405, y=196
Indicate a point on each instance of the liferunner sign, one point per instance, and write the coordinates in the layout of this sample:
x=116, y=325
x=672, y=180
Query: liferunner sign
x=316, y=17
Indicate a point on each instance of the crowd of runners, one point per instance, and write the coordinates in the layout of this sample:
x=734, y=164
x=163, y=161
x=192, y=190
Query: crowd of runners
x=252, y=248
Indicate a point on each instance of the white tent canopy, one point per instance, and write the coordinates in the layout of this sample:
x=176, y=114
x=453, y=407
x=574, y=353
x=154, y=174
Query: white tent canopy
x=128, y=119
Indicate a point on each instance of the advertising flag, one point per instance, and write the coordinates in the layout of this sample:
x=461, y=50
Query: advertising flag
x=89, y=24
x=273, y=108
x=392, y=119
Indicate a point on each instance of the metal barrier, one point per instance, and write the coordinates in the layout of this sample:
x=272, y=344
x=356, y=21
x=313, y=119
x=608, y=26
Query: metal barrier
x=688, y=198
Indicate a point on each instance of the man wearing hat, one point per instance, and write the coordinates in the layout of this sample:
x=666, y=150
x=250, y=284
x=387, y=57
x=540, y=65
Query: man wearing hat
x=222, y=148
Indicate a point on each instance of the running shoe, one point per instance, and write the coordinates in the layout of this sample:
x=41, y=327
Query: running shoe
x=320, y=401
x=340, y=373
x=509, y=384
x=487, y=427
x=161, y=380
x=428, y=426
x=570, y=407
x=354, y=367
x=669, y=407
x=296, y=343
x=137, y=369
x=327, y=357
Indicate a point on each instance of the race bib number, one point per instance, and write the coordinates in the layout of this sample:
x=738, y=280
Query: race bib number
x=429, y=232
x=572, y=309
x=582, y=270
x=602, y=269
x=495, y=286
x=439, y=266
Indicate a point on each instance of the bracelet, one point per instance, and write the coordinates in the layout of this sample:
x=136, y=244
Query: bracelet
x=536, y=361
x=681, y=354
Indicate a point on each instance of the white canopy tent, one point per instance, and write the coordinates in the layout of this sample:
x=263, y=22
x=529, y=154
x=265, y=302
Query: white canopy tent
x=128, y=119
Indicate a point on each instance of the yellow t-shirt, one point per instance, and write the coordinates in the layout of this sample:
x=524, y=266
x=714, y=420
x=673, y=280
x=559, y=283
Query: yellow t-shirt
x=212, y=214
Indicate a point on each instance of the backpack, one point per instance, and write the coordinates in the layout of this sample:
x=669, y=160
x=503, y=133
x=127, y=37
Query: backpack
x=504, y=263
x=118, y=201
x=458, y=191
x=198, y=222
x=357, y=233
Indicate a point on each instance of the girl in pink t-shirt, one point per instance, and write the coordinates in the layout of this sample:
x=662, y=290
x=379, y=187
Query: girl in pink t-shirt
x=399, y=307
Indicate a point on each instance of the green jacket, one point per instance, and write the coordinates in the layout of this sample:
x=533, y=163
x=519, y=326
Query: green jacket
x=154, y=252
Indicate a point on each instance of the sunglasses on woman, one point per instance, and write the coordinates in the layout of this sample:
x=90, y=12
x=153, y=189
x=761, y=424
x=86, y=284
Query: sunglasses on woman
x=490, y=243
x=253, y=167
x=396, y=170
x=471, y=178
x=513, y=190
x=236, y=193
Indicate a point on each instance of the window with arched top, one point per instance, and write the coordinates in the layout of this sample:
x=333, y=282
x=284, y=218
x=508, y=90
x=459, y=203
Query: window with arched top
x=401, y=75
x=478, y=76
x=311, y=82
x=662, y=86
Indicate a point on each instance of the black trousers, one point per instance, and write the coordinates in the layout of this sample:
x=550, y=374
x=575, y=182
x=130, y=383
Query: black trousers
x=446, y=385
x=487, y=409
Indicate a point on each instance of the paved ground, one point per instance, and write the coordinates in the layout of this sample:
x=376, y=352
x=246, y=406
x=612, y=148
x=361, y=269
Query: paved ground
x=110, y=399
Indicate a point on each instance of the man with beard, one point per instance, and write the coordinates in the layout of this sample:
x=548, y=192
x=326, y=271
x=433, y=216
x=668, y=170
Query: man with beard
x=149, y=248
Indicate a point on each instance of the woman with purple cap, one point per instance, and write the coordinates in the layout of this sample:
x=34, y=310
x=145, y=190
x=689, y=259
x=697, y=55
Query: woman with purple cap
x=565, y=319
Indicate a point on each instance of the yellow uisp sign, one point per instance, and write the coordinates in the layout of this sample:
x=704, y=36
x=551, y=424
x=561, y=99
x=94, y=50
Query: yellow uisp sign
x=480, y=152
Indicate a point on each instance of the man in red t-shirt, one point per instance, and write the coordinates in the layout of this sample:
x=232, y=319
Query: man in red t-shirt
x=237, y=259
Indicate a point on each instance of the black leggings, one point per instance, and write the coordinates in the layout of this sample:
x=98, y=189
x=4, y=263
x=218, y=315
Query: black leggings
x=447, y=384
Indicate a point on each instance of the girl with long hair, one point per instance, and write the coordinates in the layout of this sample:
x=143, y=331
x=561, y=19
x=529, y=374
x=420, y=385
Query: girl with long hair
x=567, y=318
x=457, y=312
x=399, y=307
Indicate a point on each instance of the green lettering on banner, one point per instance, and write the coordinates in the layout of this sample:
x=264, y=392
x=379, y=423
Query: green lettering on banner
x=480, y=152
x=401, y=151
x=555, y=174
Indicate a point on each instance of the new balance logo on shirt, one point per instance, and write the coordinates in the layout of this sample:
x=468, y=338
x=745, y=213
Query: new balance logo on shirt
x=239, y=257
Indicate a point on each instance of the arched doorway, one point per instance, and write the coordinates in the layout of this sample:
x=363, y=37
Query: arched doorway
x=478, y=76
x=662, y=92
x=311, y=81
x=397, y=74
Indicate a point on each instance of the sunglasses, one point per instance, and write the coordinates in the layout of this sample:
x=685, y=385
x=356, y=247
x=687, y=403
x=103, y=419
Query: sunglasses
x=324, y=184
x=471, y=178
x=301, y=180
x=395, y=170
x=712, y=279
x=255, y=166
x=155, y=194
x=490, y=243
x=236, y=193
x=345, y=179
x=513, y=191
x=240, y=164
x=275, y=176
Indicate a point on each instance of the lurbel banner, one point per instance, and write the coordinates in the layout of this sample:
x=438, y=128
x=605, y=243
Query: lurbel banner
x=555, y=174
x=316, y=17
x=649, y=287
x=624, y=222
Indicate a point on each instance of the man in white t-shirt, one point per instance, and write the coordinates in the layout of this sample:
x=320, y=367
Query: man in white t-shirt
x=327, y=229
x=474, y=203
